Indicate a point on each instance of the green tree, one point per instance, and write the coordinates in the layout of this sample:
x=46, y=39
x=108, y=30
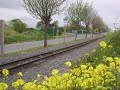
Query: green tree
x=99, y=24
x=18, y=25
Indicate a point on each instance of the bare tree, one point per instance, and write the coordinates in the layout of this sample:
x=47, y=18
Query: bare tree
x=43, y=10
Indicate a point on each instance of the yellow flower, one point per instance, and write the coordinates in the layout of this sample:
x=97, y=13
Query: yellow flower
x=3, y=86
x=84, y=84
x=112, y=66
x=15, y=85
x=103, y=44
x=55, y=72
x=5, y=72
x=69, y=64
x=83, y=67
x=69, y=83
x=90, y=68
x=65, y=75
x=38, y=76
x=29, y=86
x=110, y=59
x=20, y=74
x=18, y=83
x=35, y=81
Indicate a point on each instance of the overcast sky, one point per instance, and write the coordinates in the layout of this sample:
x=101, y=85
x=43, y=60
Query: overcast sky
x=10, y=9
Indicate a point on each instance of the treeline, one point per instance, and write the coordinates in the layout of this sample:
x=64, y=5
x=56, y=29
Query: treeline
x=77, y=13
x=83, y=15
x=79, y=16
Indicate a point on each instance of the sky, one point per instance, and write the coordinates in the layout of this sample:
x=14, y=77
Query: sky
x=109, y=10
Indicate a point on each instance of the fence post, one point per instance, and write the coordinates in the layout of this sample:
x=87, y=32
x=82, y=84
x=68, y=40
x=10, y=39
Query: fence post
x=1, y=37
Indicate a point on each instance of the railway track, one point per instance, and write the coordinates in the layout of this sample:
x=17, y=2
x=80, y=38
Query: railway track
x=29, y=60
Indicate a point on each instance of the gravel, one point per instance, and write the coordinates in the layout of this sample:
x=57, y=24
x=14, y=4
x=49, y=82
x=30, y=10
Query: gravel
x=58, y=62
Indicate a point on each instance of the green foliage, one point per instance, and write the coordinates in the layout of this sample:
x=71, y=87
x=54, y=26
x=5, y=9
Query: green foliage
x=112, y=49
x=18, y=25
x=9, y=32
x=114, y=39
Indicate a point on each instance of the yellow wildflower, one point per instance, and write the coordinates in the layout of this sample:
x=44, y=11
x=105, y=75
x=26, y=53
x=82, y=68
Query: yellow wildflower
x=15, y=85
x=110, y=59
x=29, y=86
x=103, y=44
x=20, y=74
x=18, y=83
x=38, y=76
x=69, y=64
x=55, y=72
x=65, y=75
x=83, y=67
x=3, y=86
x=5, y=72
x=112, y=66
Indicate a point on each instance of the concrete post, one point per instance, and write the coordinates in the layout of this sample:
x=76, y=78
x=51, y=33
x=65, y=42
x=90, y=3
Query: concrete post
x=1, y=37
x=64, y=34
x=82, y=33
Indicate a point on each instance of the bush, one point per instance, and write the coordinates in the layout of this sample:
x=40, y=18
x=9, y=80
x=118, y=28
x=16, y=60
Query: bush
x=114, y=39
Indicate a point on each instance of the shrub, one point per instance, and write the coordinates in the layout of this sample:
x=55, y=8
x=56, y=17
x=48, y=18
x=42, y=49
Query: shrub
x=114, y=40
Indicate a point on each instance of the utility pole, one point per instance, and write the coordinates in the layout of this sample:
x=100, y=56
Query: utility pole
x=116, y=23
x=1, y=37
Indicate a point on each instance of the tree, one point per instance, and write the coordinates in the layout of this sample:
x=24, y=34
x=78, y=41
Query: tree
x=43, y=10
x=99, y=24
x=18, y=25
x=75, y=14
x=88, y=15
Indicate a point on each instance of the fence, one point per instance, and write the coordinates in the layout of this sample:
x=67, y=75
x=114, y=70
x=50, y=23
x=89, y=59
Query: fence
x=23, y=45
